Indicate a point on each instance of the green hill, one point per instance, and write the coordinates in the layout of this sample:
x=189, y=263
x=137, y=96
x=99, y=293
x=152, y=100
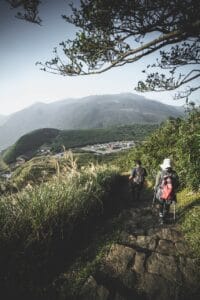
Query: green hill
x=29, y=143
x=56, y=139
x=79, y=138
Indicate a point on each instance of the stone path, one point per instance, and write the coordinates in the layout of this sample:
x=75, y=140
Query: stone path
x=149, y=262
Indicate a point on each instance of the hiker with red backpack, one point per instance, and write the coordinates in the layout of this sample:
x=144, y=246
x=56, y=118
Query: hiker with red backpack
x=165, y=188
x=137, y=179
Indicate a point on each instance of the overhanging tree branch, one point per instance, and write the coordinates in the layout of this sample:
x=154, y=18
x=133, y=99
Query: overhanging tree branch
x=113, y=33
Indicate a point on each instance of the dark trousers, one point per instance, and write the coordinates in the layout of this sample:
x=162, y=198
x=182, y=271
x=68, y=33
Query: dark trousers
x=136, y=191
x=164, y=208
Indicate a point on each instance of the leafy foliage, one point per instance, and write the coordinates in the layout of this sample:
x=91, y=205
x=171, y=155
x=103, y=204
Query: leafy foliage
x=178, y=139
x=115, y=33
x=27, y=10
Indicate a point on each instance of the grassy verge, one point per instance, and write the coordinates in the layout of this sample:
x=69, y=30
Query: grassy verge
x=189, y=211
x=42, y=227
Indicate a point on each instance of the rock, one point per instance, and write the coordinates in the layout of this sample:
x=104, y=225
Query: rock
x=182, y=248
x=153, y=232
x=128, y=279
x=118, y=259
x=119, y=297
x=191, y=272
x=155, y=287
x=92, y=291
x=148, y=242
x=130, y=240
x=139, y=262
x=170, y=234
x=166, y=247
x=163, y=265
x=130, y=226
x=138, y=231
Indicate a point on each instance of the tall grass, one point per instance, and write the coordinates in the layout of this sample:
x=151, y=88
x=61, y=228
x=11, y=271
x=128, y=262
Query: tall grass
x=41, y=225
x=189, y=211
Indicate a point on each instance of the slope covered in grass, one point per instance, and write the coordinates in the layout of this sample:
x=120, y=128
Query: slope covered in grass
x=43, y=226
x=57, y=139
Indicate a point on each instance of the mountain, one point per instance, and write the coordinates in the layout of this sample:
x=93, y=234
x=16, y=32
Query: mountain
x=3, y=119
x=89, y=112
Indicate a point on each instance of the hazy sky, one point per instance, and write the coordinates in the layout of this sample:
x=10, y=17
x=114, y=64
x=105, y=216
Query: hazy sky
x=22, y=44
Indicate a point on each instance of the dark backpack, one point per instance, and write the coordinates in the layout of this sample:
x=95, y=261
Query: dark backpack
x=139, y=175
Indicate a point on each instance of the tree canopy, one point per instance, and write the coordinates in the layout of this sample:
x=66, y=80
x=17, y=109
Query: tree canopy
x=113, y=33
x=27, y=10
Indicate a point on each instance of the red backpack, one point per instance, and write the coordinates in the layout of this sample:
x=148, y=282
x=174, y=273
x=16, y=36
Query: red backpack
x=166, y=188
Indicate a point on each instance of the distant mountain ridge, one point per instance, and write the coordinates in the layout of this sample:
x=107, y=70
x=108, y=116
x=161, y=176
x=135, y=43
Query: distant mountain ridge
x=88, y=112
x=3, y=119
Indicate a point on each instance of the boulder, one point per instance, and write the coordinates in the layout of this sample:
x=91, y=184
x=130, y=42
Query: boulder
x=145, y=241
x=166, y=247
x=139, y=262
x=92, y=291
x=182, y=248
x=155, y=287
x=191, y=272
x=170, y=234
x=118, y=259
x=163, y=265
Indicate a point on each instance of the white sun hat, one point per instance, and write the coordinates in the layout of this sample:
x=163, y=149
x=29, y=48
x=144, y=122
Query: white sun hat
x=166, y=164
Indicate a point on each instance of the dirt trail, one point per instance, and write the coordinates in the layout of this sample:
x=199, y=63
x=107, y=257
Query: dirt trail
x=150, y=261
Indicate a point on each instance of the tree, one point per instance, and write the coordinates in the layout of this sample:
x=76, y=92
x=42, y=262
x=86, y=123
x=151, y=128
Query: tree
x=113, y=33
x=28, y=10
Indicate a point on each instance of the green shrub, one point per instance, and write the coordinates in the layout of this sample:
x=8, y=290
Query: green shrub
x=178, y=139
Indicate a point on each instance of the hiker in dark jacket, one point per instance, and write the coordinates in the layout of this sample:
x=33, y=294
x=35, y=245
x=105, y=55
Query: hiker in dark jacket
x=137, y=179
x=166, y=185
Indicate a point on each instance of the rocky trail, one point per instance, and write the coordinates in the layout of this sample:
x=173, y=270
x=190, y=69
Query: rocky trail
x=149, y=261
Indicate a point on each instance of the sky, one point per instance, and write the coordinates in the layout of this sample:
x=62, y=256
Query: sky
x=22, y=44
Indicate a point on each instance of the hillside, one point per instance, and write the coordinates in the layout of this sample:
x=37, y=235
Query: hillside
x=89, y=112
x=3, y=119
x=80, y=236
x=29, y=143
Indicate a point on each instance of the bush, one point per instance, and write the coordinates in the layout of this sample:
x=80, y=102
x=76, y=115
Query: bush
x=178, y=139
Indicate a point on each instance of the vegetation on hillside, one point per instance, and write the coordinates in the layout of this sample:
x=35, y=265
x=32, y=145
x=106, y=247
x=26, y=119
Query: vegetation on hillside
x=178, y=139
x=3, y=166
x=78, y=138
x=41, y=222
x=29, y=143
x=189, y=216
x=58, y=203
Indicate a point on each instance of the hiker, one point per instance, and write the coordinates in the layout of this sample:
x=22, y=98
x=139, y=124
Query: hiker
x=165, y=188
x=137, y=179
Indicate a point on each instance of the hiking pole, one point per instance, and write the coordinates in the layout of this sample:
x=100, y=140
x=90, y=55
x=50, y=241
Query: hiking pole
x=174, y=211
x=154, y=199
